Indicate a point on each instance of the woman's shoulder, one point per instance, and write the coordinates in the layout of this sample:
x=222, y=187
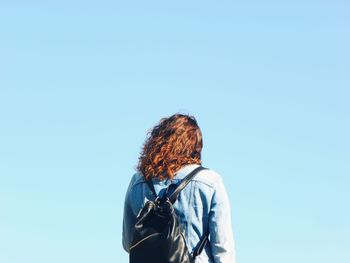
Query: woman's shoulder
x=136, y=178
x=209, y=177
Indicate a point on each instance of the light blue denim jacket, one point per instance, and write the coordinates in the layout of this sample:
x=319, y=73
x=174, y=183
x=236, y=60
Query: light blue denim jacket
x=203, y=203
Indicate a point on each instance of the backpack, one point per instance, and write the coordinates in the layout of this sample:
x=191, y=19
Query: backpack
x=157, y=236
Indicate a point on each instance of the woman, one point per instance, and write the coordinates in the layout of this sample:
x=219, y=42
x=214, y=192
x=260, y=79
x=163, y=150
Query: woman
x=172, y=151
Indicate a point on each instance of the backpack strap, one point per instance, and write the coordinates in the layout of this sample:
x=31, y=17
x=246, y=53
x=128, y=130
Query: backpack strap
x=151, y=186
x=199, y=248
x=173, y=197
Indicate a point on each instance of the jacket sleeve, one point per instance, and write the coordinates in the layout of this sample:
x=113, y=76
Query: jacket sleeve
x=128, y=220
x=220, y=226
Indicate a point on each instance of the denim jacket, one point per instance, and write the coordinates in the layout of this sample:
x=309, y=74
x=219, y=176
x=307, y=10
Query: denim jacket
x=201, y=205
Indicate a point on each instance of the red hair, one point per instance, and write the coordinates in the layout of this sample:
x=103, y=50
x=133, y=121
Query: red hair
x=174, y=142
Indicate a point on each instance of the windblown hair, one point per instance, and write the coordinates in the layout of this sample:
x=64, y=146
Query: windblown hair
x=174, y=142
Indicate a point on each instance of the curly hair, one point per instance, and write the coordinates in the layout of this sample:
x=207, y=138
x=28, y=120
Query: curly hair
x=174, y=142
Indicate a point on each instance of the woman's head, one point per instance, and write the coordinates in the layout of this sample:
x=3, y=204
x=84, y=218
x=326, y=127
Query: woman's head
x=174, y=142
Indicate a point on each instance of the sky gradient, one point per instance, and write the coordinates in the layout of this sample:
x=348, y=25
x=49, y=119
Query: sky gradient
x=82, y=83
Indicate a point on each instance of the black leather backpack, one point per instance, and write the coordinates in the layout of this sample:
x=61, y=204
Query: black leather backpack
x=157, y=234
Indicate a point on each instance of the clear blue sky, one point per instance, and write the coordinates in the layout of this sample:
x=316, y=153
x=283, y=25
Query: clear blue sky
x=82, y=82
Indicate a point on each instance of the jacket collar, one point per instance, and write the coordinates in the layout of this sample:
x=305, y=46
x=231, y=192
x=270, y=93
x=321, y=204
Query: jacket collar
x=185, y=170
x=179, y=175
